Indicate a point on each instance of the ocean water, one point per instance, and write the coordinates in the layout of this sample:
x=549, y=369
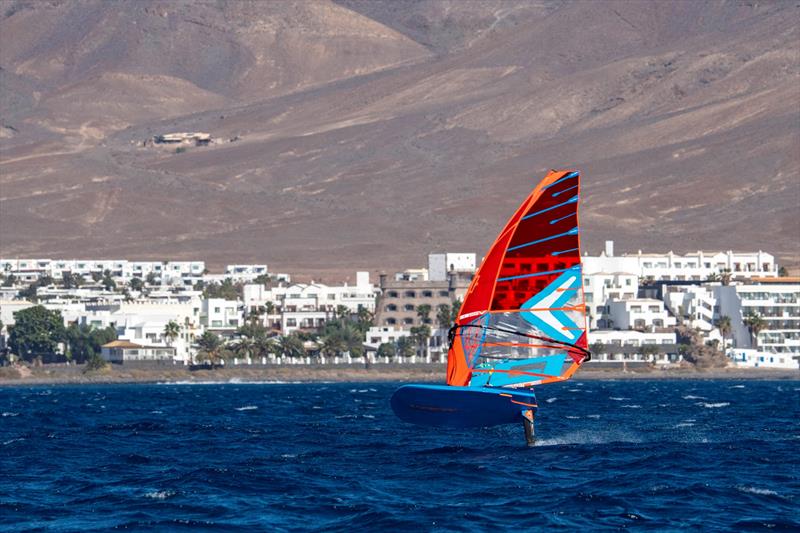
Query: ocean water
x=657, y=455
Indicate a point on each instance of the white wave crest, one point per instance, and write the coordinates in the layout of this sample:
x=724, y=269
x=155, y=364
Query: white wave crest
x=247, y=408
x=590, y=437
x=756, y=490
x=551, y=400
x=618, y=398
x=713, y=405
x=159, y=494
x=692, y=397
x=9, y=413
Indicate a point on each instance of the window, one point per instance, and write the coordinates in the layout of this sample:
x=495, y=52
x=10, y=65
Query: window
x=408, y=321
x=390, y=321
x=444, y=294
x=391, y=307
x=410, y=294
x=392, y=294
x=216, y=309
x=408, y=307
x=427, y=294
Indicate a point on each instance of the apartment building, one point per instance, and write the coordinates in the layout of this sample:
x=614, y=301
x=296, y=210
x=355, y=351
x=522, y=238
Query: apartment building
x=695, y=266
x=601, y=288
x=626, y=345
x=694, y=304
x=400, y=300
x=640, y=314
x=308, y=305
x=776, y=301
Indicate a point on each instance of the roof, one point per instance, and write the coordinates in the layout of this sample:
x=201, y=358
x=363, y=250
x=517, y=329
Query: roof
x=121, y=343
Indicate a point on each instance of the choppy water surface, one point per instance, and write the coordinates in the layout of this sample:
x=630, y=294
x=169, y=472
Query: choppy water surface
x=705, y=455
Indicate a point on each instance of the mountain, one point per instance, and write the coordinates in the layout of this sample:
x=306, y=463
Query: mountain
x=363, y=134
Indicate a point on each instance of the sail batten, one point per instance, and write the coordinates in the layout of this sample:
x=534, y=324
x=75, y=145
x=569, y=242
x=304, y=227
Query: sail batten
x=529, y=286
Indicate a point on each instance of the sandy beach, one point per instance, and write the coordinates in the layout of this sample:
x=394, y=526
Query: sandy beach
x=69, y=375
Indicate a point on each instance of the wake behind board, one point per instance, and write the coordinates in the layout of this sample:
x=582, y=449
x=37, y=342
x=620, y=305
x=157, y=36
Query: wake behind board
x=461, y=407
x=522, y=322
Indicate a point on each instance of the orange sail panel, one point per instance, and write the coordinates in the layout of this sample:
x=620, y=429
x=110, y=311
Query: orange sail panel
x=523, y=319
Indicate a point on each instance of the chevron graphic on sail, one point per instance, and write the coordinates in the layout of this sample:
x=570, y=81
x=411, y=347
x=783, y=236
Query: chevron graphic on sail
x=546, y=310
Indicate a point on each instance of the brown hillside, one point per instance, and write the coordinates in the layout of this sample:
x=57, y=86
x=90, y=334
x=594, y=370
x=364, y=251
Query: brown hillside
x=368, y=133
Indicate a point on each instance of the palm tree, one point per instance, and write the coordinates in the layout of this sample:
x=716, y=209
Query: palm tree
x=424, y=312
x=455, y=309
x=405, y=347
x=387, y=349
x=648, y=351
x=332, y=345
x=725, y=276
x=443, y=316
x=171, y=331
x=244, y=347
x=725, y=326
x=365, y=320
x=263, y=346
x=712, y=277
x=107, y=281
x=755, y=324
x=211, y=348
x=597, y=348
x=291, y=346
x=136, y=284
x=421, y=334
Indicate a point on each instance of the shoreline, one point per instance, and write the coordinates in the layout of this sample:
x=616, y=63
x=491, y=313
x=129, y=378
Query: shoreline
x=426, y=373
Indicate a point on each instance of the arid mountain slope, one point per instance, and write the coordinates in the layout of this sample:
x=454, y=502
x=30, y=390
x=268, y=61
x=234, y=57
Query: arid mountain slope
x=368, y=133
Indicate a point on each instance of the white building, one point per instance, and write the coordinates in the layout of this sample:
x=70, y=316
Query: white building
x=121, y=270
x=309, y=305
x=412, y=274
x=378, y=335
x=440, y=264
x=776, y=301
x=749, y=358
x=640, y=314
x=246, y=270
x=695, y=266
x=626, y=345
x=144, y=323
x=601, y=288
x=124, y=351
x=693, y=303
x=222, y=316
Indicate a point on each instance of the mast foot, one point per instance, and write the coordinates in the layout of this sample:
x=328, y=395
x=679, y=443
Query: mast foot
x=527, y=423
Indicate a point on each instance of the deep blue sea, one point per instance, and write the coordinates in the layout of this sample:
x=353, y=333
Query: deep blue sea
x=649, y=455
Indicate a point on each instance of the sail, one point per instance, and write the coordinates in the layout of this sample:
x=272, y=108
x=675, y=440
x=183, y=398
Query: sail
x=523, y=319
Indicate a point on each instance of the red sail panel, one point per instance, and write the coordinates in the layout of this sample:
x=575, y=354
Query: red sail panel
x=479, y=294
x=539, y=244
x=544, y=245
